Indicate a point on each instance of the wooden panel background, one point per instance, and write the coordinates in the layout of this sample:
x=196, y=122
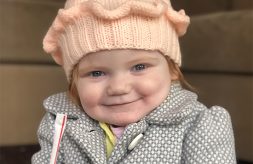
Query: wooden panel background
x=28, y=75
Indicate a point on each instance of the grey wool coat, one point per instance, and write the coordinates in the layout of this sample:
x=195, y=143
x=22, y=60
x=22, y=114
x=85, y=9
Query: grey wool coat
x=180, y=131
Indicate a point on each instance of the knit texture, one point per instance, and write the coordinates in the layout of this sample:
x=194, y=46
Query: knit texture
x=83, y=27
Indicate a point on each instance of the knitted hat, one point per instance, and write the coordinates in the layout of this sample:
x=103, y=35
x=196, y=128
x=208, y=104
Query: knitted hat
x=86, y=26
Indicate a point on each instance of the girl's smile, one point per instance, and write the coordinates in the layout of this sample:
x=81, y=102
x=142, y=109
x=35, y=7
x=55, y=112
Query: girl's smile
x=117, y=103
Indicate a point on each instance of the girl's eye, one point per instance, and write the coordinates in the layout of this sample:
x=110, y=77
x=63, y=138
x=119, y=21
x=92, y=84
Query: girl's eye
x=139, y=67
x=96, y=73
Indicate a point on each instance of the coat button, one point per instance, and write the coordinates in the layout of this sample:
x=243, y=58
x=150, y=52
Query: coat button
x=135, y=142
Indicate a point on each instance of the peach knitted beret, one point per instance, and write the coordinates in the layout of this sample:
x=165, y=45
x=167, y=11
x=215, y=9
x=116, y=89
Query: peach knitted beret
x=86, y=26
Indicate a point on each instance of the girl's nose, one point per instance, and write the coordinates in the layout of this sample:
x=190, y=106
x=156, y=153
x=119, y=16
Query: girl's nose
x=119, y=85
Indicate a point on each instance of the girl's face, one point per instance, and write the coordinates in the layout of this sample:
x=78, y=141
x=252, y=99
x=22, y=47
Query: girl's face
x=120, y=87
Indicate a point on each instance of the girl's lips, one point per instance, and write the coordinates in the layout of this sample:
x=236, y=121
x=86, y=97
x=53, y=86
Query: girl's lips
x=121, y=103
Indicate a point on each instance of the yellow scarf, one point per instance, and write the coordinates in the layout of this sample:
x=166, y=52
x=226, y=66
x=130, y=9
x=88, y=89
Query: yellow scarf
x=110, y=139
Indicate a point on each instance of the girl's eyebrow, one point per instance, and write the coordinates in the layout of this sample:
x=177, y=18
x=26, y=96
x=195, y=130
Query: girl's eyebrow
x=87, y=66
x=144, y=60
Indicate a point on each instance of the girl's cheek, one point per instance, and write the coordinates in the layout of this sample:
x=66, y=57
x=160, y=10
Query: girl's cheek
x=89, y=95
x=87, y=100
x=152, y=86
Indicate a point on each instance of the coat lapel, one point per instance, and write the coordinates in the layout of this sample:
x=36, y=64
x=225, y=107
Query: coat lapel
x=82, y=129
x=121, y=148
x=90, y=139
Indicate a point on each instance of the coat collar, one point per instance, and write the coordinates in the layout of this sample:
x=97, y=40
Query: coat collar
x=61, y=103
x=178, y=105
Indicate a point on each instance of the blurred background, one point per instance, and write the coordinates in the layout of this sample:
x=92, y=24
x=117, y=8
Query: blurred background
x=217, y=61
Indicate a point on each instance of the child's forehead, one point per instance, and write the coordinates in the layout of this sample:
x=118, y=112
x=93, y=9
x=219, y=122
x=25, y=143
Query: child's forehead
x=119, y=56
x=122, y=53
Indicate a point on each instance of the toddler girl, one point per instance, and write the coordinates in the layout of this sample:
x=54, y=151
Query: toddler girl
x=126, y=103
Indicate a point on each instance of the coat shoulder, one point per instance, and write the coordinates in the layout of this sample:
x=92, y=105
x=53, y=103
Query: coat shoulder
x=210, y=138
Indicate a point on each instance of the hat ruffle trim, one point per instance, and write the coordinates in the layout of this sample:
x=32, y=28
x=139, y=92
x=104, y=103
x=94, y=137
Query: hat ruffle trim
x=68, y=16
